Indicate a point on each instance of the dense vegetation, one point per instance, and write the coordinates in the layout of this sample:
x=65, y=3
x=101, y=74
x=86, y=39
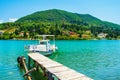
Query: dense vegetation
x=63, y=24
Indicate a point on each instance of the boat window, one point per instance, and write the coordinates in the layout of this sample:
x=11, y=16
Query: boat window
x=41, y=42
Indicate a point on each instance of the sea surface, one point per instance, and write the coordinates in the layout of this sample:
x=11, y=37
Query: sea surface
x=98, y=59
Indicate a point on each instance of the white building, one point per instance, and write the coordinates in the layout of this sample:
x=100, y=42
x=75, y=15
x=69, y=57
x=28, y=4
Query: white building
x=102, y=35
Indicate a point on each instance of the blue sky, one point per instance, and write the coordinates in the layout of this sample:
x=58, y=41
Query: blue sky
x=107, y=10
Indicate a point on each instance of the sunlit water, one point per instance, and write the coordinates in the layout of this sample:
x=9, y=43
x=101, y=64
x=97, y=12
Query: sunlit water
x=98, y=59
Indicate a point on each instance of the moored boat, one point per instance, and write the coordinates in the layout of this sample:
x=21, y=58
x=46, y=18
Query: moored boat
x=44, y=46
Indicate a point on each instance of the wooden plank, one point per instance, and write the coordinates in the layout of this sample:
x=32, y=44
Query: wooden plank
x=82, y=78
x=68, y=75
x=43, y=60
x=57, y=69
x=51, y=65
x=60, y=71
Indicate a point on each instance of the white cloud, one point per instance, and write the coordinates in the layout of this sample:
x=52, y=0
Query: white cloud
x=12, y=19
x=1, y=21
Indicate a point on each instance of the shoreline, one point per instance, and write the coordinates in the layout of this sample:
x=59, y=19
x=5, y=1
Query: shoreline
x=63, y=39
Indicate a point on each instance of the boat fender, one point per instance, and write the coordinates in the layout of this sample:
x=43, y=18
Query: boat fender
x=53, y=48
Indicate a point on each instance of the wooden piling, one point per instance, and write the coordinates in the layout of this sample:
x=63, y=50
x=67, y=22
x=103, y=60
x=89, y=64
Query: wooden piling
x=31, y=70
x=25, y=67
x=29, y=62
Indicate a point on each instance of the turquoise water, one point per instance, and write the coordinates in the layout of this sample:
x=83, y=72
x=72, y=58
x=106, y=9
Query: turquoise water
x=98, y=59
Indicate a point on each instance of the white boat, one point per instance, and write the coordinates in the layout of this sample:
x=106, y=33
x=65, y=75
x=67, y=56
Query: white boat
x=44, y=46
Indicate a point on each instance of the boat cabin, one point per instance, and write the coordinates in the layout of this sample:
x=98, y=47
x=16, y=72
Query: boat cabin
x=43, y=46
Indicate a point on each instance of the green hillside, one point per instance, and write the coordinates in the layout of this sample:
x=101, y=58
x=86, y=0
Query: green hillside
x=63, y=24
x=58, y=16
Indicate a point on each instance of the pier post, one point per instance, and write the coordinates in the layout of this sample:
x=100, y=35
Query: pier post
x=49, y=75
x=44, y=72
x=37, y=66
x=25, y=67
x=29, y=62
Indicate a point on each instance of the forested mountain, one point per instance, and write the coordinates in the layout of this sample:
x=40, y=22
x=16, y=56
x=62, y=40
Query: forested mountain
x=60, y=16
x=55, y=15
x=63, y=24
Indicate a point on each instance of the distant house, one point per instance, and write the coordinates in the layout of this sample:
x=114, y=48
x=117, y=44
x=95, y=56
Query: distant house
x=86, y=36
x=102, y=35
x=63, y=32
x=71, y=33
x=22, y=33
x=88, y=32
x=1, y=32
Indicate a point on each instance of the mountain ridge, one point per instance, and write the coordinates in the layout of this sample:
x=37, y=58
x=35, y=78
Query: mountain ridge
x=54, y=13
x=59, y=16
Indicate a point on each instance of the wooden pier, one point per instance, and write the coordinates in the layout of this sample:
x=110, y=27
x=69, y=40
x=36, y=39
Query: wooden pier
x=56, y=69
